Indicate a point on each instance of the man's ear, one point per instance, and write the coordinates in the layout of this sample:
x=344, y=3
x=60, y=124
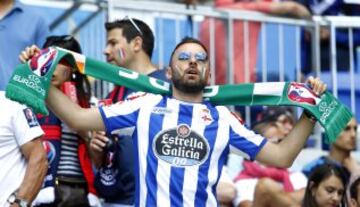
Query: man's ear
x=209, y=79
x=137, y=43
x=168, y=73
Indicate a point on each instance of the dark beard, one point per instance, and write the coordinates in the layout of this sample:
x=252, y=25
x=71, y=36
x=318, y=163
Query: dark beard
x=185, y=87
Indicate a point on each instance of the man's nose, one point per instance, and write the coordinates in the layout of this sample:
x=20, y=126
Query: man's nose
x=193, y=60
x=106, y=50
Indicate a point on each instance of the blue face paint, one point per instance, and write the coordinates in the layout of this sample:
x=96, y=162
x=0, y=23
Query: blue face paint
x=199, y=56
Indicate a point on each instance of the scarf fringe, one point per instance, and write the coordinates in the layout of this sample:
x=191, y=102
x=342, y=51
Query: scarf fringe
x=21, y=95
x=337, y=125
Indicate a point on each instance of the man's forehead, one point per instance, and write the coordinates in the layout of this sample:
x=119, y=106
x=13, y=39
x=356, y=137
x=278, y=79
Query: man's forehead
x=190, y=47
x=115, y=33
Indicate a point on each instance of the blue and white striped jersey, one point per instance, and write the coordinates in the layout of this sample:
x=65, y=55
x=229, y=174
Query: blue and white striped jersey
x=180, y=147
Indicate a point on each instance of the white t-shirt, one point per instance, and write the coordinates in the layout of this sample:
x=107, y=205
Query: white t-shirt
x=18, y=125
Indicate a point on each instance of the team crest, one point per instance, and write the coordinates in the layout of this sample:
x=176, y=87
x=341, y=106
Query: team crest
x=41, y=64
x=206, y=116
x=50, y=151
x=181, y=146
x=299, y=92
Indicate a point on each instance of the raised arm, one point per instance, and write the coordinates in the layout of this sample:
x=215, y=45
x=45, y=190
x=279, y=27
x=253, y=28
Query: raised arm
x=72, y=114
x=284, y=153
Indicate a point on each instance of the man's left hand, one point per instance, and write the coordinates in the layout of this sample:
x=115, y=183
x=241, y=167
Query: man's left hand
x=318, y=86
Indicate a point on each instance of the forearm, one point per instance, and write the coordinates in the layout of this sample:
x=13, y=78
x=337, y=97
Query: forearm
x=62, y=106
x=34, y=176
x=295, y=141
x=77, y=118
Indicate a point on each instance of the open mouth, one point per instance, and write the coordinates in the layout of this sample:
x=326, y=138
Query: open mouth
x=192, y=71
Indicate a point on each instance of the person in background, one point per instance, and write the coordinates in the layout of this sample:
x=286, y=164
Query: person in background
x=326, y=187
x=275, y=123
x=129, y=44
x=15, y=18
x=226, y=189
x=355, y=193
x=339, y=155
x=340, y=151
x=70, y=179
x=330, y=8
x=22, y=157
x=168, y=173
x=281, y=8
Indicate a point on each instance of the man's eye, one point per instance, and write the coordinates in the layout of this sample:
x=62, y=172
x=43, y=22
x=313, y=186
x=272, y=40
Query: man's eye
x=201, y=56
x=184, y=56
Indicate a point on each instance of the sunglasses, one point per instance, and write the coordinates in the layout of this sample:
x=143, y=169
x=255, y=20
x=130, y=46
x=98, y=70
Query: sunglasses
x=134, y=24
x=199, y=56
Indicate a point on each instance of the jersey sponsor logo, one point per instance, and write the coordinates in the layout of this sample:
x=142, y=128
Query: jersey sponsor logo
x=181, y=146
x=50, y=151
x=30, y=117
x=161, y=110
x=301, y=93
x=41, y=64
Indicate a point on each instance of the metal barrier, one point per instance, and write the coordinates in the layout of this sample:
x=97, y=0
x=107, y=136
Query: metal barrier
x=275, y=40
x=287, y=41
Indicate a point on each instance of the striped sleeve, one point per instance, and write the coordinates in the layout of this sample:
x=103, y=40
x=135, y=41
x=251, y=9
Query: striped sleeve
x=243, y=141
x=122, y=114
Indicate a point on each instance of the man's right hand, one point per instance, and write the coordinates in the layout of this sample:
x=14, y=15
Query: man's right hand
x=28, y=53
x=97, y=144
x=98, y=141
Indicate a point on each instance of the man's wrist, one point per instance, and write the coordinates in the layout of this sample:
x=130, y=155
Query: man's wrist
x=309, y=116
x=13, y=199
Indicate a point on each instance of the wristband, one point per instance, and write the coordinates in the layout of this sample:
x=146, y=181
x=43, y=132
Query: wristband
x=310, y=116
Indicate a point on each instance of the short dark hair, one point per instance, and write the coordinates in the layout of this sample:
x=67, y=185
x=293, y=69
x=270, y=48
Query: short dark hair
x=65, y=41
x=129, y=31
x=354, y=188
x=186, y=40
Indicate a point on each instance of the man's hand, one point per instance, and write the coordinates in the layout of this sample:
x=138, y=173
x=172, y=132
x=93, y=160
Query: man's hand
x=97, y=145
x=98, y=141
x=317, y=85
x=28, y=53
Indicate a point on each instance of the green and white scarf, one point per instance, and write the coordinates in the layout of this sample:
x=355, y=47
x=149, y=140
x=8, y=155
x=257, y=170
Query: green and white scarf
x=30, y=83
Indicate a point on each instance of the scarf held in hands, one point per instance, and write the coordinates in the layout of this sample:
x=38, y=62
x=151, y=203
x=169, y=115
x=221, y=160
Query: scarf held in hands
x=30, y=83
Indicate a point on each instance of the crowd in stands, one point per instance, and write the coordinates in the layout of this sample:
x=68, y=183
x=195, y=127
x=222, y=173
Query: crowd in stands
x=89, y=165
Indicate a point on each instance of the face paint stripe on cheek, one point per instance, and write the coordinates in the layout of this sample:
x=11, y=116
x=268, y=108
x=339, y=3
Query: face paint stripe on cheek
x=121, y=53
x=180, y=72
x=202, y=72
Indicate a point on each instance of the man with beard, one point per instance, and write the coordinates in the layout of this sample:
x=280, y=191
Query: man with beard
x=181, y=141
